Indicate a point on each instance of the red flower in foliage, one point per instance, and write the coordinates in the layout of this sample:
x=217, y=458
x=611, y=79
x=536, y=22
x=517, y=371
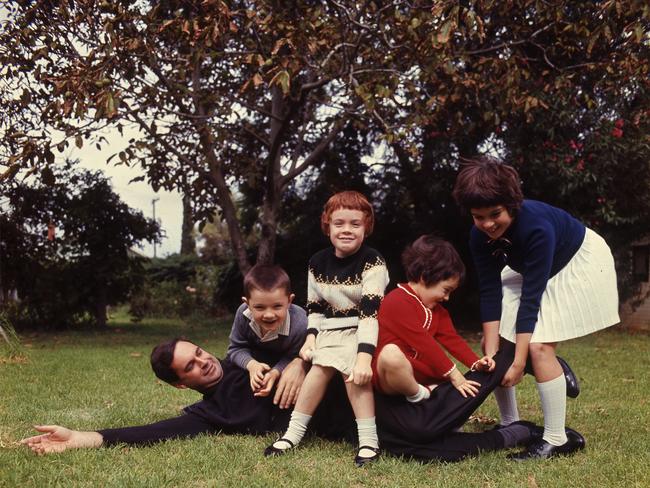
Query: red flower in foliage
x=581, y=165
x=619, y=123
x=616, y=132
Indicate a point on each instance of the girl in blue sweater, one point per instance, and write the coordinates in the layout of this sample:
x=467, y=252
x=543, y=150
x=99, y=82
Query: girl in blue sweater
x=543, y=278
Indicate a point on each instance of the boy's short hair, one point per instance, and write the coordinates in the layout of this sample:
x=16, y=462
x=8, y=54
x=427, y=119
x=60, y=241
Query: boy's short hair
x=486, y=182
x=266, y=277
x=161, y=361
x=352, y=200
x=432, y=260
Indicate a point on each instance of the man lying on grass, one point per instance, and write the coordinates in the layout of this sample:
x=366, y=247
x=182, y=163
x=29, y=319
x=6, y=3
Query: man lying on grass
x=229, y=406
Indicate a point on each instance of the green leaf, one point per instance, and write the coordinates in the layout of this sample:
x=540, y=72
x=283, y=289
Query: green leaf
x=445, y=32
x=283, y=79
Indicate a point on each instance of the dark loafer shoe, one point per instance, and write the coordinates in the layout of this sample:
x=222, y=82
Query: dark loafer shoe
x=362, y=461
x=543, y=450
x=275, y=451
x=572, y=385
x=536, y=431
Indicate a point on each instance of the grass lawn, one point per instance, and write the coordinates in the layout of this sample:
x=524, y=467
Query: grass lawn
x=87, y=380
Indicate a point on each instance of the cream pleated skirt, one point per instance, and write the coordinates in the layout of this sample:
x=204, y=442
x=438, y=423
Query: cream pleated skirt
x=336, y=349
x=582, y=298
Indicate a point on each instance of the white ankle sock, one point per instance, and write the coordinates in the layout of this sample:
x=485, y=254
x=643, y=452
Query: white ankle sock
x=296, y=430
x=367, y=435
x=507, y=402
x=422, y=394
x=552, y=395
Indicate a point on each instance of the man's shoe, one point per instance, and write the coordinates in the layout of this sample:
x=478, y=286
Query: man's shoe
x=362, y=461
x=276, y=451
x=543, y=450
x=572, y=385
x=536, y=431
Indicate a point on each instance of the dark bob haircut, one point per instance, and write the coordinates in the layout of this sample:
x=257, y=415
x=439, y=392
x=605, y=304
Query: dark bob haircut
x=487, y=182
x=432, y=260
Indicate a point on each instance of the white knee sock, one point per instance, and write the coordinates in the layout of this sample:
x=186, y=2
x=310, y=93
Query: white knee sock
x=507, y=402
x=296, y=430
x=422, y=394
x=552, y=395
x=367, y=435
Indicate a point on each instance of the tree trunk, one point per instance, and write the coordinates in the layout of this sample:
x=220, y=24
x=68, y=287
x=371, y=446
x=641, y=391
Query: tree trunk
x=100, y=308
x=272, y=190
x=188, y=245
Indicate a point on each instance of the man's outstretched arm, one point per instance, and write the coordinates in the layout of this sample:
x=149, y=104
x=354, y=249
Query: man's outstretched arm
x=58, y=439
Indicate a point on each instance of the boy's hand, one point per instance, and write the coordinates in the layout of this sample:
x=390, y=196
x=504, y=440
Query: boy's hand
x=362, y=372
x=485, y=364
x=267, y=383
x=256, y=371
x=307, y=350
x=463, y=385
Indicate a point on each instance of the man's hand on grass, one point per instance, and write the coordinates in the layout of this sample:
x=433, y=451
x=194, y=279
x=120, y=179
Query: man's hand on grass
x=58, y=439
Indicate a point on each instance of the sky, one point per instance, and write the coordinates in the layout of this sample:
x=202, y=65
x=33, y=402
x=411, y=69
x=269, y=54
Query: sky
x=138, y=195
x=169, y=207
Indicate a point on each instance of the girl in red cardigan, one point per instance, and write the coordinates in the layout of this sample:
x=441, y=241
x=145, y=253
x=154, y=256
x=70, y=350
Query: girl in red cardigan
x=414, y=328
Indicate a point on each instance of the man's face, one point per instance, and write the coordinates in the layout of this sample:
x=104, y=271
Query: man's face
x=196, y=369
x=269, y=308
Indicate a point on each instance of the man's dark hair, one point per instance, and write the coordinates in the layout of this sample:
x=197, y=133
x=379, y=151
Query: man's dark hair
x=266, y=277
x=487, y=182
x=432, y=260
x=161, y=360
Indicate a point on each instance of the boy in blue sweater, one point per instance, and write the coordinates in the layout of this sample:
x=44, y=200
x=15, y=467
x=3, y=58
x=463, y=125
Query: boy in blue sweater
x=268, y=330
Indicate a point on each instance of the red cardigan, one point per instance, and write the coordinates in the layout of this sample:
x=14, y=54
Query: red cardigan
x=420, y=332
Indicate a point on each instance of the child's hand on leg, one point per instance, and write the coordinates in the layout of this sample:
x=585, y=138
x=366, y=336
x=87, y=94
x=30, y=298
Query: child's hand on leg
x=256, y=371
x=362, y=372
x=307, y=350
x=485, y=364
x=463, y=385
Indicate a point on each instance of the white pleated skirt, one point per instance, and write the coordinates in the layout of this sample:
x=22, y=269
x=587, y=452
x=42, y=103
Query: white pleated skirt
x=582, y=298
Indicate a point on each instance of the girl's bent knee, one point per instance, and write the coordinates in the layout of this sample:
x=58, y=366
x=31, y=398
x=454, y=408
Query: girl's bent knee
x=390, y=356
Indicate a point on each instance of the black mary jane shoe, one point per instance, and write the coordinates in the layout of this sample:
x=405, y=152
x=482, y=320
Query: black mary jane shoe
x=362, y=461
x=572, y=385
x=543, y=450
x=275, y=451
